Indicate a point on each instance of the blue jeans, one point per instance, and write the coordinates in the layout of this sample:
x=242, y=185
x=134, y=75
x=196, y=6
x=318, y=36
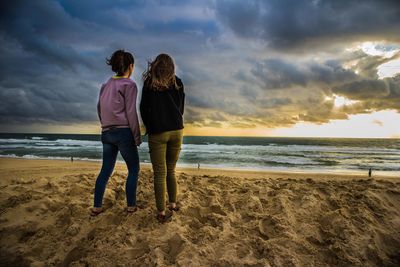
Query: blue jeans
x=114, y=140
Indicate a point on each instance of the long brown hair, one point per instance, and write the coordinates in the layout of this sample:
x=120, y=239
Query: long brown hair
x=160, y=73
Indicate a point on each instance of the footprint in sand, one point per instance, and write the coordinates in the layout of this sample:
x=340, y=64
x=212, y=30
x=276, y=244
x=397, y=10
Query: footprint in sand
x=210, y=215
x=269, y=227
x=176, y=244
x=139, y=250
x=216, y=209
x=109, y=200
x=14, y=201
x=23, y=181
x=73, y=229
x=118, y=193
x=74, y=254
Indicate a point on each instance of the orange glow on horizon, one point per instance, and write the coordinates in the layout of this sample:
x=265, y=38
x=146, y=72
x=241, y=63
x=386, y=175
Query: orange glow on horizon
x=375, y=125
x=380, y=124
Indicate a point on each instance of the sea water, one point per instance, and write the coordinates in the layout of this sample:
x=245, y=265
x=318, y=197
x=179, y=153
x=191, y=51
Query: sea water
x=249, y=153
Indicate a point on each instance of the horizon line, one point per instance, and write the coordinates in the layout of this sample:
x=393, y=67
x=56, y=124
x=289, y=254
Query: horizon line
x=240, y=136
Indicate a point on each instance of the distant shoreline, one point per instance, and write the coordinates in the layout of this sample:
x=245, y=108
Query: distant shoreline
x=94, y=165
x=267, y=154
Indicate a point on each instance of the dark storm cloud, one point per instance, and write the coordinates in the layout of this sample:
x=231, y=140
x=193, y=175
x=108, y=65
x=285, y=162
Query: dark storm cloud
x=301, y=89
x=278, y=73
x=276, y=92
x=44, y=29
x=374, y=94
x=44, y=78
x=274, y=102
x=52, y=53
x=250, y=93
x=364, y=89
x=193, y=116
x=52, y=57
x=290, y=23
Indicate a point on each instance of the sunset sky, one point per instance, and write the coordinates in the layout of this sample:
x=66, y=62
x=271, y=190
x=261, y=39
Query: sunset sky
x=321, y=68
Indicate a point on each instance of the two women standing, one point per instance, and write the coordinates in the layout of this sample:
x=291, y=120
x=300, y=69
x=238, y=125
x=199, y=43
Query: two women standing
x=161, y=107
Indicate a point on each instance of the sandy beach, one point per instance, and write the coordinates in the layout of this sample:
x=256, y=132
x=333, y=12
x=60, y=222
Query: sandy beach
x=228, y=218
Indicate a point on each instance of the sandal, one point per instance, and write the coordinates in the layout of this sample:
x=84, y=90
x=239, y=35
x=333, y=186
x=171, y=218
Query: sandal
x=164, y=218
x=94, y=213
x=176, y=208
x=133, y=209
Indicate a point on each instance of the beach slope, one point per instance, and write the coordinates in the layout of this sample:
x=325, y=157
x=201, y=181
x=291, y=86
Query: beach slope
x=227, y=218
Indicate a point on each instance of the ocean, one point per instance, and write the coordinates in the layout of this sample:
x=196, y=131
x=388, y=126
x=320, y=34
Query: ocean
x=247, y=153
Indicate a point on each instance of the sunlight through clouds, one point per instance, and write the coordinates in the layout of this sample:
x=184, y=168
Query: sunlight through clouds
x=382, y=124
x=249, y=67
x=340, y=101
x=389, y=69
x=380, y=49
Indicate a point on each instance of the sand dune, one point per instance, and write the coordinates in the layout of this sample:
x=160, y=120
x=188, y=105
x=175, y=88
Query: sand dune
x=224, y=221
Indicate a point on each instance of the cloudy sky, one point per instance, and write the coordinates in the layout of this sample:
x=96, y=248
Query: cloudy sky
x=267, y=68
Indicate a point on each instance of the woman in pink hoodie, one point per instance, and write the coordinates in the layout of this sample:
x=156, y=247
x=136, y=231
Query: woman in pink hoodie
x=120, y=128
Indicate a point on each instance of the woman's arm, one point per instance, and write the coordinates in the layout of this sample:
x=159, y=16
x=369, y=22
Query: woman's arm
x=144, y=106
x=98, y=110
x=131, y=113
x=183, y=101
x=98, y=102
x=181, y=95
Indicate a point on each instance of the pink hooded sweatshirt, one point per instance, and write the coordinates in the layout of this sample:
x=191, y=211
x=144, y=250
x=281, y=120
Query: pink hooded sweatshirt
x=117, y=106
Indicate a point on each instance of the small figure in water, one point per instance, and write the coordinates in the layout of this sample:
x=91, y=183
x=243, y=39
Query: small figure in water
x=198, y=166
x=72, y=159
x=370, y=172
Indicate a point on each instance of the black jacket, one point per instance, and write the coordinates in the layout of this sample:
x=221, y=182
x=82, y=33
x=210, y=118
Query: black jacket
x=162, y=111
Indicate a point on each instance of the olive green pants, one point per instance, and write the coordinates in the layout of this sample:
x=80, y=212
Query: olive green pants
x=164, y=153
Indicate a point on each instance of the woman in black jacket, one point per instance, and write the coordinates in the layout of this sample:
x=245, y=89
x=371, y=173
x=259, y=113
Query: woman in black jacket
x=162, y=108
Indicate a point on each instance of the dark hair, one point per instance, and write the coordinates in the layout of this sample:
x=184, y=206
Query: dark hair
x=120, y=61
x=160, y=73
